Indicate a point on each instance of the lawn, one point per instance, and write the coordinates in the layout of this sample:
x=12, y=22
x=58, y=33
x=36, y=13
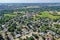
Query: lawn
x=10, y=15
x=47, y=14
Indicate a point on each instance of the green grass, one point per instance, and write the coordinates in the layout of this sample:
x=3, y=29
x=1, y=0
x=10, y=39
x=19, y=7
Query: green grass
x=13, y=15
x=10, y=15
x=47, y=14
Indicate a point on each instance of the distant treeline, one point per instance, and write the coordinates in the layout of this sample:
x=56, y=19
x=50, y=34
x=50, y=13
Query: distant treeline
x=42, y=8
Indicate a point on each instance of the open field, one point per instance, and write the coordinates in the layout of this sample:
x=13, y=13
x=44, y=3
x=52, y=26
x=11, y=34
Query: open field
x=10, y=15
x=48, y=15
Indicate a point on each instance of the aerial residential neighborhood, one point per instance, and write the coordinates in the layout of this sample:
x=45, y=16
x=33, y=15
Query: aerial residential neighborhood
x=30, y=21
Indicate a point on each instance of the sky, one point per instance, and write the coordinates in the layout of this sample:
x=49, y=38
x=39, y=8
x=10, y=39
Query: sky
x=29, y=1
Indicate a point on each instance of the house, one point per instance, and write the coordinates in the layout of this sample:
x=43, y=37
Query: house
x=18, y=35
x=48, y=37
x=42, y=33
x=5, y=28
x=26, y=32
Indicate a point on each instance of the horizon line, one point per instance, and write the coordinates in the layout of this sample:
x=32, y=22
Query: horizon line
x=47, y=2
